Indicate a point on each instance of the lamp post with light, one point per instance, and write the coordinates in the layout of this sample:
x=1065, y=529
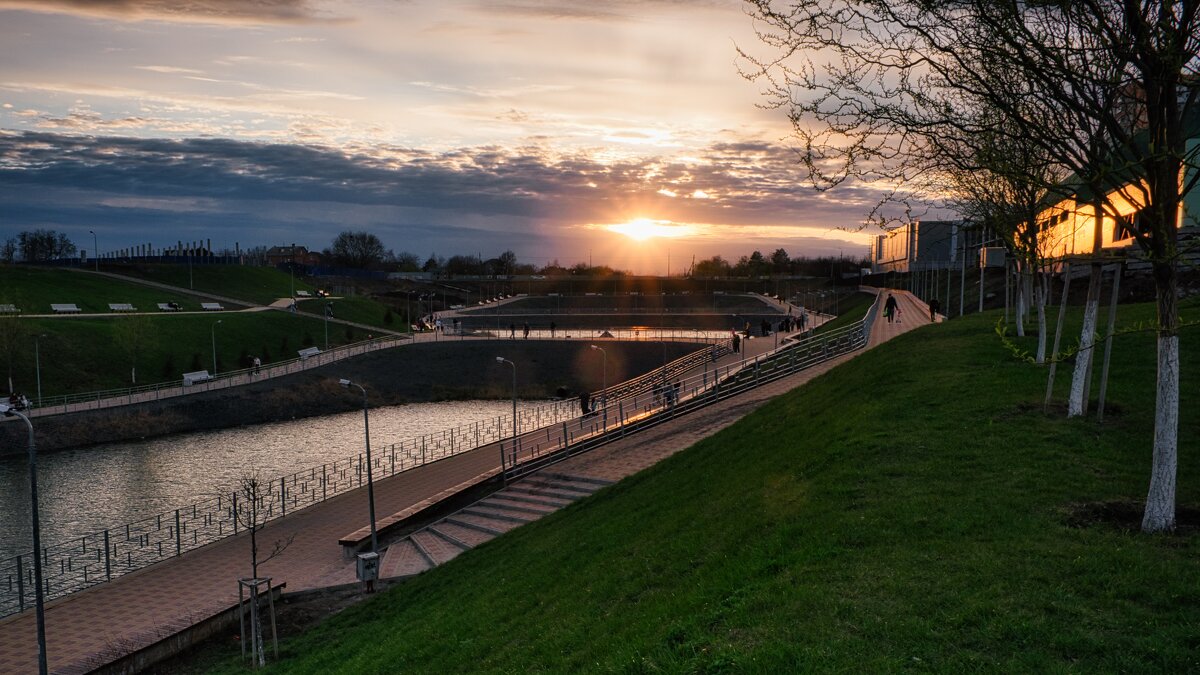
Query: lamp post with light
x=214, y=346
x=37, y=362
x=39, y=599
x=370, y=481
x=501, y=359
x=95, y=249
x=604, y=383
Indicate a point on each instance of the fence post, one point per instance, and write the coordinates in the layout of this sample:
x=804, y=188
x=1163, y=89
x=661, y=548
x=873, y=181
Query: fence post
x=107, y=557
x=178, y=536
x=21, y=585
x=235, y=513
x=324, y=484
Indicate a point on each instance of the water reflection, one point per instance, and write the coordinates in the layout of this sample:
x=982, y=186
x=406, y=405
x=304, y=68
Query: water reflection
x=106, y=486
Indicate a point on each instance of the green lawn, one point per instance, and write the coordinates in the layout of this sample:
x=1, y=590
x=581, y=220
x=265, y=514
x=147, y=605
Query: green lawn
x=34, y=289
x=261, y=285
x=910, y=510
x=82, y=354
x=359, y=309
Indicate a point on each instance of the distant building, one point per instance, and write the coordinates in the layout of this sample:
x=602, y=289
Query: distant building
x=922, y=245
x=298, y=255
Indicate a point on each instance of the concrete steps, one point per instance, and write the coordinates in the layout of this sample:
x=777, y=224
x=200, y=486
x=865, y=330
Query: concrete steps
x=515, y=505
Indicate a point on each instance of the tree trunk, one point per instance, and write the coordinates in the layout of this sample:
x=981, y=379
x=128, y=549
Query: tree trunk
x=1039, y=293
x=1019, y=291
x=1160, y=501
x=1076, y=405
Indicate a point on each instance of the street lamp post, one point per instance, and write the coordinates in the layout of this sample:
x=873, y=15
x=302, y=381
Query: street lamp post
x=214, y=346
x=501, y=359
x=370, y=481
x=37, y=362
x=95, y=249
x=604, y=383
x=39, y=599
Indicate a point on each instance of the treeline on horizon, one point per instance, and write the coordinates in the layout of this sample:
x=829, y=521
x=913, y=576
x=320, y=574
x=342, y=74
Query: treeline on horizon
x=364, y=250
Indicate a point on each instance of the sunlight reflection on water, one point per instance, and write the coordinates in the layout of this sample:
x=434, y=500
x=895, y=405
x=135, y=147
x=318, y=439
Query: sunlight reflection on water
x=106, y=486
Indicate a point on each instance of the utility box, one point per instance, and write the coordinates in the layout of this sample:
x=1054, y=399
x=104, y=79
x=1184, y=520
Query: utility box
x=368, y=566
x=991, y=256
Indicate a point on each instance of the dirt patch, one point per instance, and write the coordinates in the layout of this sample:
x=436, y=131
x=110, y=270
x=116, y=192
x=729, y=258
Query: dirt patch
x=1126, y=516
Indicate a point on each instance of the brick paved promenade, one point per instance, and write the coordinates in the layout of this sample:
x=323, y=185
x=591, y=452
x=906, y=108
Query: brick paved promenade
x=94, y=627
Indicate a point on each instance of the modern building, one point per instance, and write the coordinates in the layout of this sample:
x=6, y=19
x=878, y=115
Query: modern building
x=924, y=245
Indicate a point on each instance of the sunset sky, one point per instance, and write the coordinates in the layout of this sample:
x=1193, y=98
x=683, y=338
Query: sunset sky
x=618, y=129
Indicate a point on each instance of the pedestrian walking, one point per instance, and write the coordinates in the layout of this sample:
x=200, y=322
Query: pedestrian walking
x=935, y=306
x=890, y=308
x=257, y=365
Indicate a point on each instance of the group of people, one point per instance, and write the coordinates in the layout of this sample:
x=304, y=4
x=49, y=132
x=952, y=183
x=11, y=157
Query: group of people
x=18, y=401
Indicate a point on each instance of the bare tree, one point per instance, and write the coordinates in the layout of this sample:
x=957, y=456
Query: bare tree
x=361, y=250
x=1106, y=87
x=252, y=509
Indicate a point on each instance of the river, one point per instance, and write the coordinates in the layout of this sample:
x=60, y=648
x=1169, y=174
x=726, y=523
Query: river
x=106, y=486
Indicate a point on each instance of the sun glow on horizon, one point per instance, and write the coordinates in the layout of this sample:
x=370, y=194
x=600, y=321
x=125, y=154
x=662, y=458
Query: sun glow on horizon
x=642, y=229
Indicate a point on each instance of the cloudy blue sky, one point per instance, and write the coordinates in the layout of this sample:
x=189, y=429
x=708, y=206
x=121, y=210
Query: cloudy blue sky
x=559, y=129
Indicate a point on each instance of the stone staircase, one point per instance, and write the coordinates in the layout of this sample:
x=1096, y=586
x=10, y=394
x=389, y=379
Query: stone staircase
x=522, y=502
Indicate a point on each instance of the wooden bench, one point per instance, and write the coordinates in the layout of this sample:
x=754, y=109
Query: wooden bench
x=9, y=309
x=121, y=307
x=354, y=542
x=211, y=306
x=303, y=294
x=199, y=376
x=169, y=307
x=308, y=352
x=65, y=308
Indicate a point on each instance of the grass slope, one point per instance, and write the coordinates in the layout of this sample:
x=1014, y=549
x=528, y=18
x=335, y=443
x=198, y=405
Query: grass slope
x=34, y=289
x=261, y=285
x=906, y=510
x=83, y=354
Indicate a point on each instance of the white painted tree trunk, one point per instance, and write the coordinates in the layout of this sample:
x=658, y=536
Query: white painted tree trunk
x=1039, y=299
x=1076, y=405
x=1019, y=289
x=1160, y=501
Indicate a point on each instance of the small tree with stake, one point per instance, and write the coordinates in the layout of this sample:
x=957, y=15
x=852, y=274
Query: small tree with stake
x=251, y=511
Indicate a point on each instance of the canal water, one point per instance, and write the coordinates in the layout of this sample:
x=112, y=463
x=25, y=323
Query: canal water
x=105, y=486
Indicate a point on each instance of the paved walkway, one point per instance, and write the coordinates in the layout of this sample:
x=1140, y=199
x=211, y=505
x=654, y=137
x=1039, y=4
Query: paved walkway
x=96, y=626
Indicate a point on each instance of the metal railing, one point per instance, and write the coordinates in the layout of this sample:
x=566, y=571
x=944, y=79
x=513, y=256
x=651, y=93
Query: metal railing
x=111, y=398
x=644, y=409
x=101, y=556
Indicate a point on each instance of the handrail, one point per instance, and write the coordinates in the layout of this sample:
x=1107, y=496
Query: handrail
x=99, y=556
x=110, y=398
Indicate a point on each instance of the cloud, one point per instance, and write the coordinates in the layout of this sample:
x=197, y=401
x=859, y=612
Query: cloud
x=488, y=192
x=192, y=11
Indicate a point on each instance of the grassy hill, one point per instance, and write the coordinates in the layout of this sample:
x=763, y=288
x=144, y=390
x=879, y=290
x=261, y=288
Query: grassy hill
x=83, y=354
x=261, y=285
x=34, y=289
x=913, y=509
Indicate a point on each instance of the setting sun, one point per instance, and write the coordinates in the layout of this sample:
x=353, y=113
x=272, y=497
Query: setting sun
x=641, y=229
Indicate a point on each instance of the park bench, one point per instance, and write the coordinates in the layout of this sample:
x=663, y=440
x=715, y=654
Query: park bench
x=169, y=307
x=199, y=376
x=121, y=307
x=303, y=294
x=211, y=306
x=9, y=309
x=307, y=352
x=63, y=308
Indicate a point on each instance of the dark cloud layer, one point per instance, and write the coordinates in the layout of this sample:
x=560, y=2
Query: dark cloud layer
x=194, y=185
